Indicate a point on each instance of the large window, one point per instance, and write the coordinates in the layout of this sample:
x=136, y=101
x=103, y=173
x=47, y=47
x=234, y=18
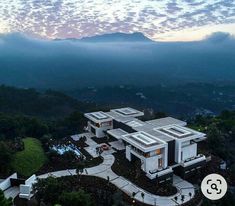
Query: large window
x=158, y=151
x=106, y=124
x=160, y=163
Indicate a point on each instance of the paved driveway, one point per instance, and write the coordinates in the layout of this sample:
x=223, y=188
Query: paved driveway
x=104, y=170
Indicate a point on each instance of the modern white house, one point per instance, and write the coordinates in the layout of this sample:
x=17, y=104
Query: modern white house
x=163, y=145
x=98, y=122
x=152, y=152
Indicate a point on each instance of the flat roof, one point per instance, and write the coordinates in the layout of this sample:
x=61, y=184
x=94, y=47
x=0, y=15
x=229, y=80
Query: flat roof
x=160, y=130
x=141, y=126
x=166, y=121
x=167, y=132
x=135, y=123
x=98, y=116
x=143, y=141
x=160, y=136
x=127, y=111
x=119, y=117
x=117, y=133
x=179, y=132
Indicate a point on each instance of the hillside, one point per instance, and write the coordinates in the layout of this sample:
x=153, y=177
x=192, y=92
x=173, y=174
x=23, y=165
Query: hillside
x=48, y=104
x=29, y=161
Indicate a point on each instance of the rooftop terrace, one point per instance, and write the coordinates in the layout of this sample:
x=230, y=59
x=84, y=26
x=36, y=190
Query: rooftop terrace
x=98, y=116
x=127, y=111
x=179, y=132
x=166, y=121
x=143, y=141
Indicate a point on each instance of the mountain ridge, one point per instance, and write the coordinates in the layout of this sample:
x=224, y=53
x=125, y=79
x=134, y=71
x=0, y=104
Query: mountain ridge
x=112, y=37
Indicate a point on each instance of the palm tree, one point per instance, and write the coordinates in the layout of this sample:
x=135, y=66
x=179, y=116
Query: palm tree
x=190, y=195
x=142, y=195
x=80, y=169
x=133, y=196
x=182, y=198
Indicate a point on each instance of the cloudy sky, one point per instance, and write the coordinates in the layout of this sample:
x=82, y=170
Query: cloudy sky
x=162, y=20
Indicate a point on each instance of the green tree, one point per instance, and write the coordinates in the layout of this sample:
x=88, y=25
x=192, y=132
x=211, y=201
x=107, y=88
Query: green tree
x=117, y=199
x=5, y=158
x=9, y=127
x=216, y=140
x=49, y=190
x=79, y=169
x=75, y=198
x=35, y=128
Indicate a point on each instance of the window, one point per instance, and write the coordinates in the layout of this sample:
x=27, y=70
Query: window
x=106, y=124
x=147, y=154
x=160, y=163
x=158, y=151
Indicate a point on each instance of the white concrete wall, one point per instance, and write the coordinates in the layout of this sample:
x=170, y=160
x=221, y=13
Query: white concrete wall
x=99, y=131
x=31, y=180
x=26, y=189
x=128, y=153
x=7, y=182
x=165, y=157
x=189, y=151
x=177, y=151
x=89, y=126
x=151, y=163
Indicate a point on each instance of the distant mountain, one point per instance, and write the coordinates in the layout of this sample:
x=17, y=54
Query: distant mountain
x=117, y=60
x=114, y=37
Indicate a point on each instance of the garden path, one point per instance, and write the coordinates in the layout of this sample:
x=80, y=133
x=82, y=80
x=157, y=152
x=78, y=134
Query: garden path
x=104, y=171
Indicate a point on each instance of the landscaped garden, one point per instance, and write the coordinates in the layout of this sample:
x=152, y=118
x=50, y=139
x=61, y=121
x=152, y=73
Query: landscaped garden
x=78, y=190
x=133, y=172
x=31, y=159
x=67, y=154
x=37, y=158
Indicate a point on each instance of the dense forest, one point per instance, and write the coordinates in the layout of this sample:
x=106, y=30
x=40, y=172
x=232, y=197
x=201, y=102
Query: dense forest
x=53, y=115
x=42, y=115
x=47, y=105
x=181, y=100
x=220, y=132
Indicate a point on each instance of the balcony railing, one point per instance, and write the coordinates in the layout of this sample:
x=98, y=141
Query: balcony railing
x=160, y=172
x=193, y=160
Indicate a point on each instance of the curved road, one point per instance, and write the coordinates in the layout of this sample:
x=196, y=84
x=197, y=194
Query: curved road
x=104, y=170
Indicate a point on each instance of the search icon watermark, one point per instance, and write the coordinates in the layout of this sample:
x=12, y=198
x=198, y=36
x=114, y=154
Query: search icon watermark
x=214, y=186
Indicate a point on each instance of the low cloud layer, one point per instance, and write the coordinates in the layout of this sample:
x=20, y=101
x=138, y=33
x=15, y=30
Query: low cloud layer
x=69, y=64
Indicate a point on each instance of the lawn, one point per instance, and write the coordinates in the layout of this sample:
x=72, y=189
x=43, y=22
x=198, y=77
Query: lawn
x=31, y=159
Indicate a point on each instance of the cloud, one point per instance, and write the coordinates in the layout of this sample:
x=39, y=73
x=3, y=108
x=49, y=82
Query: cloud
x=79, y=18
x=218, y=37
